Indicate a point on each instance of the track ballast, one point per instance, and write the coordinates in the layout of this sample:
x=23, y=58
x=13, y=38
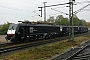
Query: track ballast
x=29, y=45
x=78, y=53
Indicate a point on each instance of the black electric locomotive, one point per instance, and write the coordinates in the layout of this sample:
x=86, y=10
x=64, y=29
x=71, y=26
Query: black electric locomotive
x=20, y=32
x=28, y=31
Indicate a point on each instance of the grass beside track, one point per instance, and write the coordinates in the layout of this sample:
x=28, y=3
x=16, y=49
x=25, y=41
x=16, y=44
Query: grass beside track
x=46, y=51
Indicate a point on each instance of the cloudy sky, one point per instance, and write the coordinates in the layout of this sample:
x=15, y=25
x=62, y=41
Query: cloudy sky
x=15, y=10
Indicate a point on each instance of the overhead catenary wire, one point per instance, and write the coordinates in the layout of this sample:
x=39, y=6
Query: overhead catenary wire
x=17, y=9
x=83, y=2
x=87, y=9
x=80, y=3
x=81, y=8
x=62, y=4
x=36, y=13
x=59, y=11
x=14, y=9
x=26, y=2
x=60, y=7
x=32, y=11
x=54, y=14
x=54, y=5
x=15, y=14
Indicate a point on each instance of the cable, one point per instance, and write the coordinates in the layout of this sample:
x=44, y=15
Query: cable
x=14, y=9
x=79, y=3
x=53, y=14
x=19, y=9
x=88, y=1
x=36, y=13
x=82, y=3
x=14, y=14
x=60, y=7
x=25, y=2
x=54, y=5
x=81, y=9
x=60, y=11
x=75, y=11
x=87, y=9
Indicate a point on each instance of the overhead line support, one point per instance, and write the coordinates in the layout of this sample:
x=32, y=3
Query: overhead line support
x=71, y=28
x=48, y=6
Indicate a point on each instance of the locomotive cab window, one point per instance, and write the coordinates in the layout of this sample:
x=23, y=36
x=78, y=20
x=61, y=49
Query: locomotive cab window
x=13, y=27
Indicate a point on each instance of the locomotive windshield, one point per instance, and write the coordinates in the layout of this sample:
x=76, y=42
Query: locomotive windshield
x=13, y=27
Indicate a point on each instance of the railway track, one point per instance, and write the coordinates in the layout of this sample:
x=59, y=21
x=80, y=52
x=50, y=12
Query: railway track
x=29, y=45
x=79, y=53
x=21, y=43
x=11, y=44
x=83, y=54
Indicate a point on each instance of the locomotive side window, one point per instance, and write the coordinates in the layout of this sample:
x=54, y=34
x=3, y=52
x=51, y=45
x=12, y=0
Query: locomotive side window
x=78, y=28
x=67, y=28
x=60, y=28
x=31, y=29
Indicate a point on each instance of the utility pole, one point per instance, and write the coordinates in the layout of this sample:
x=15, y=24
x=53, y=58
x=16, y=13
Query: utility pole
x=45, y=11
x=48, y=6
x=71, y=28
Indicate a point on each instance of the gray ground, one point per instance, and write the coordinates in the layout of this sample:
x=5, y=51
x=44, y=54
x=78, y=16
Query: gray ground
x=2, y=39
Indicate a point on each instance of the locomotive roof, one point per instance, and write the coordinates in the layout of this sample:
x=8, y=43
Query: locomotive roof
x=36, y=25
x=45, y=25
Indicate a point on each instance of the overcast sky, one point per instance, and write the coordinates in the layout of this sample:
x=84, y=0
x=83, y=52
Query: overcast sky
x=15, y=10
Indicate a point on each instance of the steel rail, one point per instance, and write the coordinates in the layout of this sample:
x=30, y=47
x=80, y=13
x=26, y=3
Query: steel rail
x=73, y=52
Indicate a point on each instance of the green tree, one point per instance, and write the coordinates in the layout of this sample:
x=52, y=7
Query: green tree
x=88, y=24
x=39, y=21
x=51, y=19
x=58, y=19
x=64, y=21
x=76, y=21
x=4, y=28
x=84, y=22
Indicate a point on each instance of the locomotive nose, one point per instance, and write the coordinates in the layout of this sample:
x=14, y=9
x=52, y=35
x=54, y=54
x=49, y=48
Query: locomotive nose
x=11, y=33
